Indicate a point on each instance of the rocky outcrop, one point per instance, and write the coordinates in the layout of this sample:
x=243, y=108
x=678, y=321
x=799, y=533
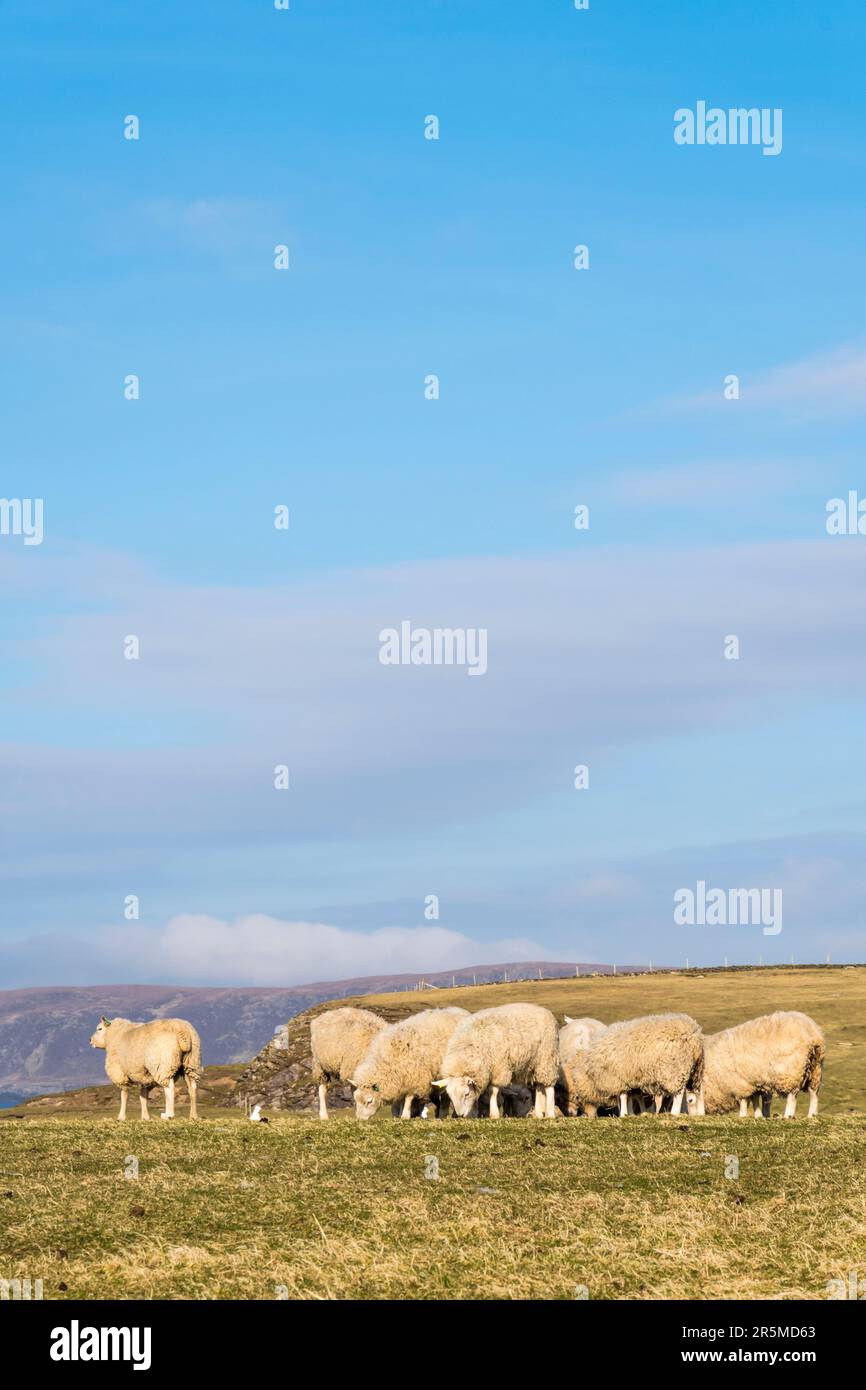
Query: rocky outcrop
x=280, y=1076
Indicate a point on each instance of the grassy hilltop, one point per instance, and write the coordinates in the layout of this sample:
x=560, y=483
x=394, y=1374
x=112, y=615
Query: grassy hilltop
x=654, y=1207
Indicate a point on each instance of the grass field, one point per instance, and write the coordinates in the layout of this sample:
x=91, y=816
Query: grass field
x=640, y=1208
x=650, y=1207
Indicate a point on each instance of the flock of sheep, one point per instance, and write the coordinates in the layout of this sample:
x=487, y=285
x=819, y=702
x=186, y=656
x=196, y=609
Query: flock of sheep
x=490, y=1062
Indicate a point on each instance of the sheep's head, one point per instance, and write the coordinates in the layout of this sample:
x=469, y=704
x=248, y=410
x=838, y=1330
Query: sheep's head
x=100, y=1037
x=463, y=1091
x=368, y=1098
x=691, y=1102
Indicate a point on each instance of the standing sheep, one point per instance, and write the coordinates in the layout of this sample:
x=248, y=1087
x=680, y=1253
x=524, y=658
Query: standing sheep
x=150, y=1054
x=500, y=1046
x=661, y=1054
x=403, y=1060
x=778, y=1054
x=339, y=1038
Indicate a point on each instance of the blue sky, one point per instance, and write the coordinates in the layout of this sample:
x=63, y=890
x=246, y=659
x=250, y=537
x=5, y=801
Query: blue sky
x=305, y=388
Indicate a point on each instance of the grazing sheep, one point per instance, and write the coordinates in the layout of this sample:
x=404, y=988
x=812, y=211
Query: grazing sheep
x=661, y=1054
x=581, y=1092
x=513, y=1102
x=339, y=1039
x=402, y=1061
x=150, y=1054
x=498, y=1047
x=580, y=1032
x=778, y=1054
x=575, y=1037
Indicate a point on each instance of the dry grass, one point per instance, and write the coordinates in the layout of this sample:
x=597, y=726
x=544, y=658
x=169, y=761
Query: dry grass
x=522, y=1209
x=639, y=1208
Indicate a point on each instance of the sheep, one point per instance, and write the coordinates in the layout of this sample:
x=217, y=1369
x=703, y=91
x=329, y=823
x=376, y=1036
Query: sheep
x=513, y=1102
x=777, y=1054
x=402, y=1061
x=150, y=1054
x=580, y=1032
x=661, y=1054
x=500, y=1046
x=575, y=1037
x=339, y=1038
x=581, y=1092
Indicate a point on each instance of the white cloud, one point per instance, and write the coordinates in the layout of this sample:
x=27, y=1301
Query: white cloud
x=266, y=951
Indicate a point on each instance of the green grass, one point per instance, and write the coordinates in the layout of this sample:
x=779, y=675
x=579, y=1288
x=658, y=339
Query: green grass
x=639, y=1208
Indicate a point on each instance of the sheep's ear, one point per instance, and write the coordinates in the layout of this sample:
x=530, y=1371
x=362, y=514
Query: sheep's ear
x=105, y=1021
x=567, y=1019
x=440, y=1083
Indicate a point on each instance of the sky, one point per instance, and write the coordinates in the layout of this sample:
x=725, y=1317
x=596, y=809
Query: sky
x=309, y=388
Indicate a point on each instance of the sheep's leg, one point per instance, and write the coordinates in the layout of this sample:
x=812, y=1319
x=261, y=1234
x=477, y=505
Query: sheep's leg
x=550, y=1103
x=679, y=1099
x=702, y=1103
x=124, y=1092
x=323, y=1104
x=406, y=1112
x=813, y=1103
x=623, y=1104
x=659, y=1102
x=538, y=1109
x=495, y=1113
x=143, y=1093
x=168, y=1112
x=744, y=1108
x=191, y=1090
x=791, y=1105
x=766, y=1105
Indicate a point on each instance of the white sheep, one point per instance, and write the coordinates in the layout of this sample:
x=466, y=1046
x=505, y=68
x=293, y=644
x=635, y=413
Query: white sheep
x=403, y=1060
x=150, y=1054
x=575, y=1037
x=580, y=1032
x=777, y=1054
x=339, y=1039
x=661, y=1055
x=513, y=1043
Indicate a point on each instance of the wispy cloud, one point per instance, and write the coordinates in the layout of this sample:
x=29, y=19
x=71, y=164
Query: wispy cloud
x=257, y=950
x=827, y=386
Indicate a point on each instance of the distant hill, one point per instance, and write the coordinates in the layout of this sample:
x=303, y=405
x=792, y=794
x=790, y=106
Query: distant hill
x=44, y=1033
